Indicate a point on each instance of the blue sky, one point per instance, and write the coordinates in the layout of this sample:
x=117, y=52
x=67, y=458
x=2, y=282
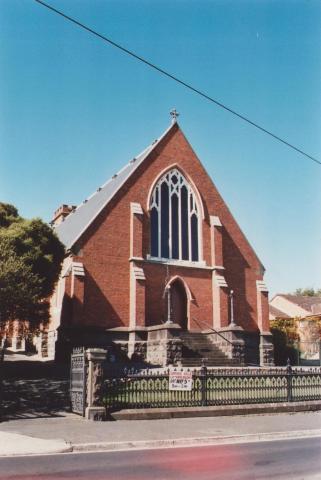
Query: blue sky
x=74, y=110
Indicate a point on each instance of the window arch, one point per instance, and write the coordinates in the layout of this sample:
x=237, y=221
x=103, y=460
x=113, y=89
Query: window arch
x=174, y=219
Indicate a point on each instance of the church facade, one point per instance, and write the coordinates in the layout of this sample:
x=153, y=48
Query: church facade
x=157, y=263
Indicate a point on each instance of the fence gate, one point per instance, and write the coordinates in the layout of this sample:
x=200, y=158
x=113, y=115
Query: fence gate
x=78, y=381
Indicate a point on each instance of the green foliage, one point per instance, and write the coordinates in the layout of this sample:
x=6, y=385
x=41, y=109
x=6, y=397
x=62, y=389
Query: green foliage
x=308, y=292
x=30, y=262
x=285, y=336
x=283, y=348
x=288, y=326
x=20, y=288
x=8, y=214
x=38, y=246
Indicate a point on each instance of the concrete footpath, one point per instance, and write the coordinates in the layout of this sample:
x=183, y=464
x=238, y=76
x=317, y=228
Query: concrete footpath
x=68, y=432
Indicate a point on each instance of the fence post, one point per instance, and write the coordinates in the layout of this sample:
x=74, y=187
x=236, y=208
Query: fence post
x=203, y=384
x=95, y=409
x=289, y=380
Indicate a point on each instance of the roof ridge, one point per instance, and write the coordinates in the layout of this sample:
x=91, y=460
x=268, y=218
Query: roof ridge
x=77, y=225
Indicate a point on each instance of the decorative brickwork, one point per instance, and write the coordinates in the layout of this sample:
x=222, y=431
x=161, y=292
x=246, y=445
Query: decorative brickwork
x=124, y=286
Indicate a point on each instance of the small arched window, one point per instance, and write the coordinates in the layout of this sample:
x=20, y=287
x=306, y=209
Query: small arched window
x=174, y=219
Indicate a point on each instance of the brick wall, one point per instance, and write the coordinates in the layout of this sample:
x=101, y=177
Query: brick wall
x=106, y=249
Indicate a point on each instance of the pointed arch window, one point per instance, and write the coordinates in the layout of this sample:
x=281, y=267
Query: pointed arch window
x=174, y=217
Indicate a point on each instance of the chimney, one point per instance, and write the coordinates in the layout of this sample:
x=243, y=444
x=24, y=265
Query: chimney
x=61, y=213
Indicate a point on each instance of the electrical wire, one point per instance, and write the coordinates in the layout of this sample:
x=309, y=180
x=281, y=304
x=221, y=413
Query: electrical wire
x=176, y=79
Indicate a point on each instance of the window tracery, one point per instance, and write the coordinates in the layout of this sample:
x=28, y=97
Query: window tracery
x=174, y=217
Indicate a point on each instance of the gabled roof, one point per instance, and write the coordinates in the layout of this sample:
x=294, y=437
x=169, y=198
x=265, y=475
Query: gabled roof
x=276, y=313
x=305, y=301
x=77, y=222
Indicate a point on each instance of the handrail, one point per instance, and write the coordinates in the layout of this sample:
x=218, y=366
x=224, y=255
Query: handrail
x=213, y=330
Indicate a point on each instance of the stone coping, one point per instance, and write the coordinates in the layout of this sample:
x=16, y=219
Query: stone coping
x=214, y=411
x=176, y=326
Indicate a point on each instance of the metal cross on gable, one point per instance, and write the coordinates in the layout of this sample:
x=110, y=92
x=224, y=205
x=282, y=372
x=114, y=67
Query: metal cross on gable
x=174, y=114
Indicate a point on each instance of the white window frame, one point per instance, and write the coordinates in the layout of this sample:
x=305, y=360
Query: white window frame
x=191, y=210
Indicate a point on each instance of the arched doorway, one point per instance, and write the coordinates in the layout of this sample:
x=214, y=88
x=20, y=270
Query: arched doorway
x=178, y=304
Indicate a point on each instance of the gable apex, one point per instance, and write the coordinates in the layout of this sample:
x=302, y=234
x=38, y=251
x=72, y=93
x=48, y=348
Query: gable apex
x=76, y=223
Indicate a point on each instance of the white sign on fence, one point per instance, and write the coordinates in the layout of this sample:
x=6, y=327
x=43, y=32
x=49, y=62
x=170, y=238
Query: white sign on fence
x=180, y=381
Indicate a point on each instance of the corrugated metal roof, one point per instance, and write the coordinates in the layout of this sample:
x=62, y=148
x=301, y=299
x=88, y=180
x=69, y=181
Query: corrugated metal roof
x=77, y=222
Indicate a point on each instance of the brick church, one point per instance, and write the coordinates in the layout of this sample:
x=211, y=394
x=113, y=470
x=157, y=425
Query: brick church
x=158, y=269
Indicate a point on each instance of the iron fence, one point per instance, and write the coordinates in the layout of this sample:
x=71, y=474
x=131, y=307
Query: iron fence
x=228, y=386
x=78, y=380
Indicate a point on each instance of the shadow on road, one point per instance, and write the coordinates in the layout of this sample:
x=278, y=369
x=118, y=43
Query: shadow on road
x=32, y=389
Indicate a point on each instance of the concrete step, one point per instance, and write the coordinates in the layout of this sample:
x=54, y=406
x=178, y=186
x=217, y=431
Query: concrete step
x=189, y=362
x=197, y=346
x=211, y=356
x=193, y=336
x=216, y=355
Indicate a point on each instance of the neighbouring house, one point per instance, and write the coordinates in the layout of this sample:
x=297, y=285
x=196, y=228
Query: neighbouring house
x=159, y=268
x=276, y=313
x=290, y=306
x=302, y=313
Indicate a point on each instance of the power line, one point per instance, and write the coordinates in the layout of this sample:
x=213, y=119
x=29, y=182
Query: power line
x=176, y=79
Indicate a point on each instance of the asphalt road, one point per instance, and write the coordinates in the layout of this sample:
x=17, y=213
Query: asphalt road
x=290, y=460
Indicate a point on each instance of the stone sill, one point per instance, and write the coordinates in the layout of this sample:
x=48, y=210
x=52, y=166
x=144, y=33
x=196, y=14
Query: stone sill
x=177, y=263
x=163, y=326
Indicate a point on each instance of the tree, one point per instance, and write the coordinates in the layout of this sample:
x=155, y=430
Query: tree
x=285, y=338
x=30, y=262
x=20, y=288
x=8, y=214
x=308, y=292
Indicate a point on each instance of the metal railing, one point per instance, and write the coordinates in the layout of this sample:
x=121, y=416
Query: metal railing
x=212, y=329
x=225, y=386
